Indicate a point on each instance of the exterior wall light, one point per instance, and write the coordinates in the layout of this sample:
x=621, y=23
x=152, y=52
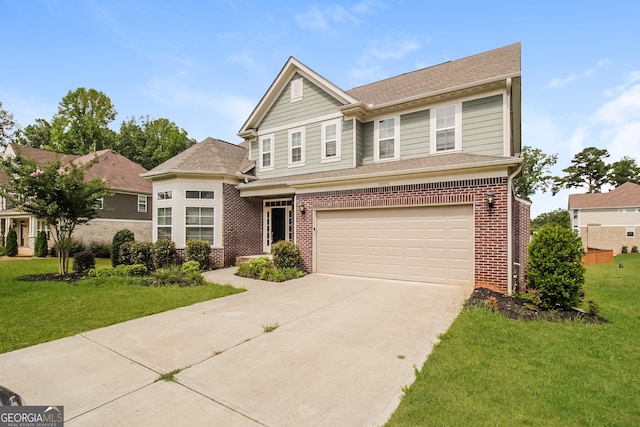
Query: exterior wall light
x=302, y=209
x=491, y=200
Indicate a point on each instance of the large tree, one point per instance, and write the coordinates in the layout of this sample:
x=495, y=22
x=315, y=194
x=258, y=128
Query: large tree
x=624, y=170
x=37, y=135
x=535, y=175
x=588, y=169
x=81, y=124
x=151, y=142
x=8, y=127
x=59, y=195
x=559, y=217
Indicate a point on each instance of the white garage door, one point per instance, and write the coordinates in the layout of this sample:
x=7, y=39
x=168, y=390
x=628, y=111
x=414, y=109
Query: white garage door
x=426, y=244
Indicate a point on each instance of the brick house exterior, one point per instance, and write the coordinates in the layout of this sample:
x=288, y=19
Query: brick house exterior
x=408, y=178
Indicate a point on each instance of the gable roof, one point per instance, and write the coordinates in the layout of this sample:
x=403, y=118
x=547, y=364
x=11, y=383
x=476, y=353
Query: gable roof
x=624, y=196
x=484, y=68
x=496, y=64
x=211, y=156
x=120, y=173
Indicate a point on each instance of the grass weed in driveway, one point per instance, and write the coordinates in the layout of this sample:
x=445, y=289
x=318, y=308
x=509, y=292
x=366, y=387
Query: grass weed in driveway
x=489, y=370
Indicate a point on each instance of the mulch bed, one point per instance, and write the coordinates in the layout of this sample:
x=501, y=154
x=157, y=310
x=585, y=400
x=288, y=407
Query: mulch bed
x=70, y=278
x=522, y=309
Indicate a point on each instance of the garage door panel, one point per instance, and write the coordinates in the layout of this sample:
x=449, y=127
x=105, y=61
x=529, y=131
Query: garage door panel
x=431, y=244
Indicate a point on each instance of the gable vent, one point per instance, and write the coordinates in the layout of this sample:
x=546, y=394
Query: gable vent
x=296, y=90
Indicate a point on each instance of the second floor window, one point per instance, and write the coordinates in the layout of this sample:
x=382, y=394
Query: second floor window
x=197, y=194
x=387, y=139
x=164, y=195
x=296, y=147
x=142, y=203
x=446, y=128
x=331, y=140
x=266, y=152
x=100, y=203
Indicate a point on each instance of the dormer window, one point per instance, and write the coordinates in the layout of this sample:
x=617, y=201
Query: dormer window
x=296, y=90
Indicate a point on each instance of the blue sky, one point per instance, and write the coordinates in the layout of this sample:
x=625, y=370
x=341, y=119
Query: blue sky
x=205, y=64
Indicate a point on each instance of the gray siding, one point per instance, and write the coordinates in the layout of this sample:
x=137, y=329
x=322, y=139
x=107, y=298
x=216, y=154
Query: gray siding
x=359, y=142
x=125, y=206
x=315, y=103
x=367, y=143
x=482, y=126
x=414, y=135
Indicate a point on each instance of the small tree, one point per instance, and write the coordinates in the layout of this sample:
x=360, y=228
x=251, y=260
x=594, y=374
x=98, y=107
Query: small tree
x=121, y=237
x=555, y=266
x=12, y=242
x=41, y=247
x=558, y=217
x=535, y=176
x=58, y=195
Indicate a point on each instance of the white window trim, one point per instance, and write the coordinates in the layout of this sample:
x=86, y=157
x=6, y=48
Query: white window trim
x=458, y=129
x=270, y=136
x=212, y=226
x=297, y=89
x=337, y=157
x=293, y=164
x=630, y=229
x=396, y=139
x=142, y=197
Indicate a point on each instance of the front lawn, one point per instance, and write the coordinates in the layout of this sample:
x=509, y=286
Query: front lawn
x=40, y=311
x=488, y=370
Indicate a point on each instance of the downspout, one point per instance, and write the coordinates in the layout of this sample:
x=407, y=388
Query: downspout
x=510, y=229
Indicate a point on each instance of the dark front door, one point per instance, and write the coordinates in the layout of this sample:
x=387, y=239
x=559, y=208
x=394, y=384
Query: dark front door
x=278, y=225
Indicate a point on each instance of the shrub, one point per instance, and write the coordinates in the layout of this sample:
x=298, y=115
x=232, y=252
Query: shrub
x=163, y=253
x=253, y=268
x=634, y=249
x=3, y=250
x=83, y=261
x=100, y=249
x=190, y=267
x=186, y=275
x=140, y=253
x=12, y=242
x=198, y=250
x=119, y=271
x=121, y=237
x=272, y=274
x=625, y=249
x=286, y=255
x=555, y=266
x=41, y=247
x=124, y=253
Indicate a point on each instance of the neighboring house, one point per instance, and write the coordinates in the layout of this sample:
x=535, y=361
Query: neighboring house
x=129, y=207
x=608, y=220
x=407, y=178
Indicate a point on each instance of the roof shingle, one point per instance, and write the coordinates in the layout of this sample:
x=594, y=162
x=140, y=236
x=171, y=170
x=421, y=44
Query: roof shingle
x=625, y=196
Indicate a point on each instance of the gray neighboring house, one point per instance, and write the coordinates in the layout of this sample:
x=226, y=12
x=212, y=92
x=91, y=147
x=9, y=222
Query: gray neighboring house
x=407, y=178
x=129, y=207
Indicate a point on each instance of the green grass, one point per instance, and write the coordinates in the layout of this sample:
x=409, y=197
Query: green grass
x=491, y=371
x=36, y=312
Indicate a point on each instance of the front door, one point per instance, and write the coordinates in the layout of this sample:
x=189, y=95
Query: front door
x=278, y=222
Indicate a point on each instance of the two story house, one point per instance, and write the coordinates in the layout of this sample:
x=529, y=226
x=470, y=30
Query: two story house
x=129, y=207
x=407, y=178
x=608, y=220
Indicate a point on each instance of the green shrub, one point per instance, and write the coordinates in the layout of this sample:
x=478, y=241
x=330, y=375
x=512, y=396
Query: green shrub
x=634, y=249
x=198, y=250
x=119, y=271
x=555, y=266
x=273, y=274
x=286, y=255
x=190, y=267
x=41, y=247
x=625, y=249
x=3, y=250
x=124, y=253
x=140, y=253
x=121, y=236
x=100, y=249
x=253, y=268
x=12, y=242
x=75, y=247
x=83, y=261
x=177, y=276
x=163, y=253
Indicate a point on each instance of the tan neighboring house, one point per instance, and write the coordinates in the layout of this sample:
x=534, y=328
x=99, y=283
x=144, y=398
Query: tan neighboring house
x=129, y=207
x=608, y=220
x=407, y=178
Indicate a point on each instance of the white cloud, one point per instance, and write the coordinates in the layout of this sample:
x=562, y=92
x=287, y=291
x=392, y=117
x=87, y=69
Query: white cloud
x=370, y=67
x=329, y=19
x=560, y=82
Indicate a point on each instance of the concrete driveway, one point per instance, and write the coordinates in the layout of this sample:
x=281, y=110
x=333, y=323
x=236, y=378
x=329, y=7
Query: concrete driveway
x=343, y=349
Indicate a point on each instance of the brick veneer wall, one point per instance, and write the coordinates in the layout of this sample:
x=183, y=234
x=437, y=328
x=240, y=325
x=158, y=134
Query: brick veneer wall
x=491, y=240
x=521, y=238
x=242, y=225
